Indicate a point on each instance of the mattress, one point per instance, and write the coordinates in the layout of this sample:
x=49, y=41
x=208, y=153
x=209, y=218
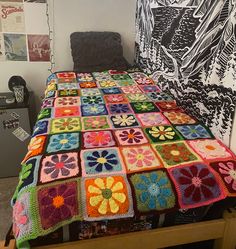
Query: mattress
x=110, y=147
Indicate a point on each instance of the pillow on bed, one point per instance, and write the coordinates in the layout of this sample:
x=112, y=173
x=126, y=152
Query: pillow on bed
x=97, y=51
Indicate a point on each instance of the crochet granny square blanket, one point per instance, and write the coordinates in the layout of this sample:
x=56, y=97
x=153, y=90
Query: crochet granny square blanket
x=111, y=145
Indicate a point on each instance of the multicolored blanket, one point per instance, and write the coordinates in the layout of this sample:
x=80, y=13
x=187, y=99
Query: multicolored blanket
x=112, y=145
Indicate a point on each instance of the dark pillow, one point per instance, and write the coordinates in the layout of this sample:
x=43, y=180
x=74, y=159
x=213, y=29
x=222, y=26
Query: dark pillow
x=97, y=51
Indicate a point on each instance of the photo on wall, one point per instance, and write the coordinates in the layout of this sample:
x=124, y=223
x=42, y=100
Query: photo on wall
x=2, y=53
x=12, y=17
x=15, y=47
x=39, y=47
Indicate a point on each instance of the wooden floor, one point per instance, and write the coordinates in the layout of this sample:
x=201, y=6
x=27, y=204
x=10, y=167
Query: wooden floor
x=223, y=231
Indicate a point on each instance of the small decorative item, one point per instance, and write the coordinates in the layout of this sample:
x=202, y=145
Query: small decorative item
x=19, y=93
x=17, y=85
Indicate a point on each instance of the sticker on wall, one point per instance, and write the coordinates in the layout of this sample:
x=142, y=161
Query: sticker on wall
x=39, y=47
x=21, y=134
x=15, y=47
x=12, y=15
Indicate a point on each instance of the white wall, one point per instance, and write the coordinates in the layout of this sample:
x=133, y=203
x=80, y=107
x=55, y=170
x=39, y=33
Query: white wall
x=92, y=15
x=35, y=73
x=70, y=16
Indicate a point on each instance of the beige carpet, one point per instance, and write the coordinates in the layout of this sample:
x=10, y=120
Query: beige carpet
x=7, y=188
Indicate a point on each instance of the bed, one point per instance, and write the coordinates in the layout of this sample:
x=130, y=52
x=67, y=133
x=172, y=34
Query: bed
x=111, y=147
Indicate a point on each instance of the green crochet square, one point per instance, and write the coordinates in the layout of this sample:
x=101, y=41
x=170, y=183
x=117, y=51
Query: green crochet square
x=160, y=134
x=143, y=107
x=153, y=191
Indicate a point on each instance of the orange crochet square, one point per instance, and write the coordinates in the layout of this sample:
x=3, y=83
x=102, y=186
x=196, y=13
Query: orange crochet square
x=106, y=197
x=35, y=147
x=89, y=84
x=67, y=111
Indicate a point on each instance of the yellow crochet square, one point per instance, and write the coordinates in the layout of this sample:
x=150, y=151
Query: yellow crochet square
x=60, y=125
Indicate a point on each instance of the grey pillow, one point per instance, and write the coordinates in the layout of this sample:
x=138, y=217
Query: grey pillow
x=97, y=51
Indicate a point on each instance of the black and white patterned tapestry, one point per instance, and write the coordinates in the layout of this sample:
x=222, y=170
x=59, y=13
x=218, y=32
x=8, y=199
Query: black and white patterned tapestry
x=189, y=46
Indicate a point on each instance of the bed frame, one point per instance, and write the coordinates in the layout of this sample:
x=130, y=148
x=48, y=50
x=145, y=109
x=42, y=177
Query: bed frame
x=223, y=231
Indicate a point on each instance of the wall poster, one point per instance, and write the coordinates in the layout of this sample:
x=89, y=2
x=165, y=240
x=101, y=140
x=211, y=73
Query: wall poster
x=2, y=51
x=12, y=17
x=39, y=47
x=15, y=47
x=190, y=48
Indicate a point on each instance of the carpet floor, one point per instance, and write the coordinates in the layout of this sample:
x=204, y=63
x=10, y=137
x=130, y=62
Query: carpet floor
x=7, y=188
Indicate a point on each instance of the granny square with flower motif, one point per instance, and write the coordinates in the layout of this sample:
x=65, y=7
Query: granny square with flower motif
x=93, y=110
x=90, y=92
x=153, y=191
x=36, y=147
x=85, y=77
x=176, y=153
x=179, y=118
x=70, y=124
x=112, y=145
x=111, y=90
x=96, y=139
x=67, y=86
x=132, y=136
x=70, y=111
x=124, y=120
x=88, y=84
x=22, y=216
x=95, y=123
x=128, y=82
x=45, y=113
x=101, y=161
x=41, y=128
x=59, y=166
x=47, y=103
x=227, y=172
x=152, y=119
x=210, y=149
x=63, y=141
x=58, y=203
x=131, y=89
x=168, y=106
x=140, y=158
x=91, y=100
x=196, y=185
x=68, y=92
x=115, y=98
x=143, y=107
x=119, y=108
x=149, y=88
x=120, y=77
x=67, y=101
x=192, y=132
x=158, y=134
x=106, y=197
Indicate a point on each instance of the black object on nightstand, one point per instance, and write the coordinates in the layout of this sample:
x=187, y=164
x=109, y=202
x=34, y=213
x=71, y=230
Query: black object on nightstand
x=15, y=132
